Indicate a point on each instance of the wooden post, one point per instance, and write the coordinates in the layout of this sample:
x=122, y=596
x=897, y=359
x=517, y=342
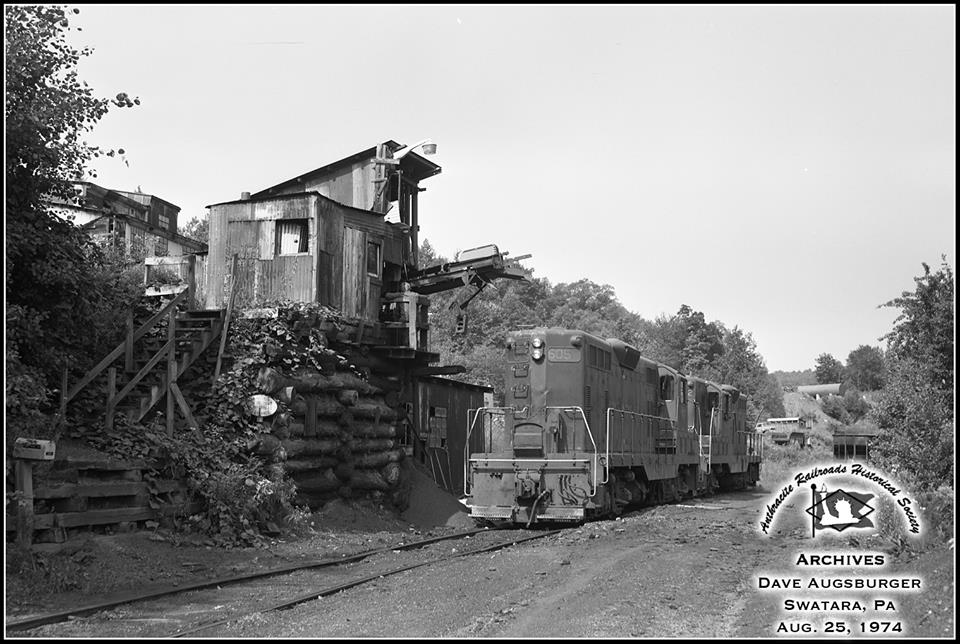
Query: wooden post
x=418, y=445
x=24, y=485
x=191, y=281
x=111, y=393
x=63, y=396
x=184, y=407
x=226, y=319
x=411, y=302
x=171, y=368
x=414, y=228
x=128, y=349
x=310, y=418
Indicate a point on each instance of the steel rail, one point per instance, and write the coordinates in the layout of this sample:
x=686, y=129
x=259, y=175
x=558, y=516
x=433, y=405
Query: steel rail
x=52, y=618
x=316, y=594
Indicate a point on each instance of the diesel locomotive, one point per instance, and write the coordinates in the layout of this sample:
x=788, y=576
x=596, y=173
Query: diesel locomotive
x=590, y=426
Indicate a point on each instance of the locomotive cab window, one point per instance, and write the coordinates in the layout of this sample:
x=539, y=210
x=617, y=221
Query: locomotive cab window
x=666, y=387
x=713, y=400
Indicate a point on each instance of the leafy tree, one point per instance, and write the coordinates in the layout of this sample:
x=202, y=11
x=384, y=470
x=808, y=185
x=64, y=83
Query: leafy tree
x=834, y=407
x=828, y=370
x=790, y=380
x=916, y=427
x=865, y=368
x=685, y=341
x=741, y=366
x=915, y=408
x=64, y=298
x=197, y=228
x=855, y=404
x=924, y=329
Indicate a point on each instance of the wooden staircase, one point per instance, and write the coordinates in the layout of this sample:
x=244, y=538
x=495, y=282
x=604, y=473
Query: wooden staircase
x=194, y=332
x=145, y=367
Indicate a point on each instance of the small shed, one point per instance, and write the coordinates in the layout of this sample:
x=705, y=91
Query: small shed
x=439, y=425
x=853, y=442
x=304, y=247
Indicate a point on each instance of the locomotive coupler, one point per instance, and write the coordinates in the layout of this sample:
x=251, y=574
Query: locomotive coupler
x=528, y=485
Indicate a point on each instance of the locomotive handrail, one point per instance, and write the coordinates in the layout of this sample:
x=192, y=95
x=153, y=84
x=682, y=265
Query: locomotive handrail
x=476, y=414
x=589, y=433
x=466, y=447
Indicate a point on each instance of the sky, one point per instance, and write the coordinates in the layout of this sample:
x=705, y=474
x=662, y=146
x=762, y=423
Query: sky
x=783, y=169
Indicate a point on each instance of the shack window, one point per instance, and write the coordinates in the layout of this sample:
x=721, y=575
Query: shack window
x=164, y=222
x=291, y=236
x=160, y=246
x=373, y=259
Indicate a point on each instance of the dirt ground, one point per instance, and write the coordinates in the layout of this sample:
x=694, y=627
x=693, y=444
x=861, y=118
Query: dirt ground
x=682, y=570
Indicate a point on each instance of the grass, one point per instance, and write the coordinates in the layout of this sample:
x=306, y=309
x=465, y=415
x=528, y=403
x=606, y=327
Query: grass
x=781, y=462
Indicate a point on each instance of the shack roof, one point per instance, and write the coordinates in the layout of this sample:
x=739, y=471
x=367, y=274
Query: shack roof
x=414, y=167
x=292, y=195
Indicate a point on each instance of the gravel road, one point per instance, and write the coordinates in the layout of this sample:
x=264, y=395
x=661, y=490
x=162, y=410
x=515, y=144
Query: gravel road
x=684, y=570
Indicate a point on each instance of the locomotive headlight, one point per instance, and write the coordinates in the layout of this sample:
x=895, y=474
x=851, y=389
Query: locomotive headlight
x=537, y=353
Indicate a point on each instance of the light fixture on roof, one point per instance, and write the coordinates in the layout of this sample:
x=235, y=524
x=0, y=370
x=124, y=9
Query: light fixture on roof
x=429, y=147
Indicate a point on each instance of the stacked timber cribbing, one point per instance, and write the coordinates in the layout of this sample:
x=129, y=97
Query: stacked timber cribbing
x=339, y=439
x=84, y=490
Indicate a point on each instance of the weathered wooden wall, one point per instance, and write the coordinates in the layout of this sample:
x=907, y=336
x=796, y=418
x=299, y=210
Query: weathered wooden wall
x=440, y=420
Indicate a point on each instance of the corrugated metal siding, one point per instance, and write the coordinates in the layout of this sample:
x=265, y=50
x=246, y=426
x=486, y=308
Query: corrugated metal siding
x=352, y=186
x=286, y=277
x=249, y=231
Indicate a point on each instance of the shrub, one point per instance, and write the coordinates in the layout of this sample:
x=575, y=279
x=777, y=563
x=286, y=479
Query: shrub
x=834, y=408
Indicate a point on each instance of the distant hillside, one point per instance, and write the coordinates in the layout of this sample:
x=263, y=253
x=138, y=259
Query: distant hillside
x=792, y=379
x=795, y=404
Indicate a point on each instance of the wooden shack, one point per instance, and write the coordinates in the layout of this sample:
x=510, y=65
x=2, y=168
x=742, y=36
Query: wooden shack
x=324, y=237
x=438, y=414
x=304, y=247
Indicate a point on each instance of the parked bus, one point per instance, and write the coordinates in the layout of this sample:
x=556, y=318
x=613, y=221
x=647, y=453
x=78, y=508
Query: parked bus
x=785, y=430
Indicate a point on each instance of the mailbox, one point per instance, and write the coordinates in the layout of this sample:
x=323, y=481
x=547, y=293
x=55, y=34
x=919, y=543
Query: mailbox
x=34, y=449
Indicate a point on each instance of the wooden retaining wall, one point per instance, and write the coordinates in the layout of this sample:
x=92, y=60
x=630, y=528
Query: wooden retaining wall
x=83, y=491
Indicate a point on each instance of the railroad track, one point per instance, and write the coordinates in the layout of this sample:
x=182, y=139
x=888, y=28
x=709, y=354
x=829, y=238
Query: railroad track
x=205, y=605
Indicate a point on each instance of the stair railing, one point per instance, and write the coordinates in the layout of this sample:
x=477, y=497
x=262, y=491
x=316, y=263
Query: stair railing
x=226, y=320
x=125, y=349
